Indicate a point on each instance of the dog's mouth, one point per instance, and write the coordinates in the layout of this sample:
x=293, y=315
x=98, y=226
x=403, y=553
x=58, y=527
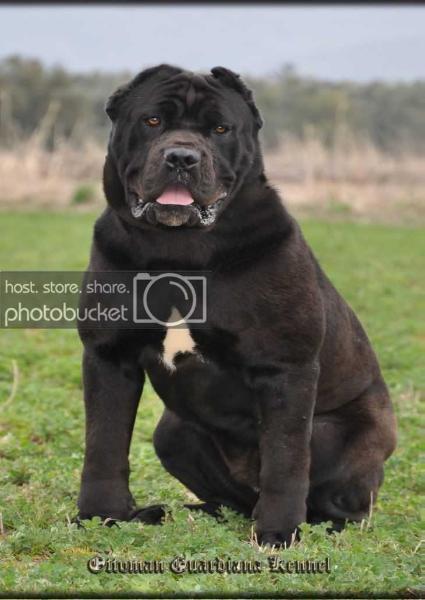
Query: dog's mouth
x=176, y=207
x=176, y=195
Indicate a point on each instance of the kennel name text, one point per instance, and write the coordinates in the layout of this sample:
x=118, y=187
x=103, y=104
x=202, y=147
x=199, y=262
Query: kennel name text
x=179, y=565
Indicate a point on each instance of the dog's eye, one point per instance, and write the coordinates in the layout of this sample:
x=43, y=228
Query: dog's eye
x=221, y=129
x=153, y=121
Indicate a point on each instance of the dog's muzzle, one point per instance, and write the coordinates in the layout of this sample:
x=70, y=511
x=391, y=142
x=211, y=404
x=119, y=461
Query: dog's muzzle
x=175, y=207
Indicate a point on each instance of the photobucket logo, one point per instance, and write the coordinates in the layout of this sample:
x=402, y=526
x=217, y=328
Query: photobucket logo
x=188, y=293
x=63, y=314
x=111, y=299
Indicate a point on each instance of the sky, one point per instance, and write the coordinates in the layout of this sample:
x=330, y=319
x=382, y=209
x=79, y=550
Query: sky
x=360, y=43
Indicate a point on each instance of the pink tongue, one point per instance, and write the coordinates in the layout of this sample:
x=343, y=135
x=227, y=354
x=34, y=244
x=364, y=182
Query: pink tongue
x=175, y=195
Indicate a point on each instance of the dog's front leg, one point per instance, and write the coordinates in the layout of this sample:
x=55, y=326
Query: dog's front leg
x=112, y=389
x=286, y=402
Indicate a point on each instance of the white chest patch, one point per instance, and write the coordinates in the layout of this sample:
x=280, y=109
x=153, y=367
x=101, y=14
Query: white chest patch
x=177, y=339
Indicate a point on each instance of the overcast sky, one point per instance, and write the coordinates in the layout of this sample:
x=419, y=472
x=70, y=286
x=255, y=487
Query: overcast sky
x=334, y=42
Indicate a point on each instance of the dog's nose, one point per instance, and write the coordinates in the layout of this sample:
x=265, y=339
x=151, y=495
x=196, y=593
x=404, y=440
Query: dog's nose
x=182, y=158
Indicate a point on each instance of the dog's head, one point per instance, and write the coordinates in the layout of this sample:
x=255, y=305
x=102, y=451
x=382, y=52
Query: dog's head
x=181, y=146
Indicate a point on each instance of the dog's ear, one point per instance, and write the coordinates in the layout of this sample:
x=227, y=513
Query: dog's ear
x=115, y=101
x=234, y=81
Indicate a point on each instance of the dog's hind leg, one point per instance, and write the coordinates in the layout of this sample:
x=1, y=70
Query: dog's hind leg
x=191, y=455
x=349, y=447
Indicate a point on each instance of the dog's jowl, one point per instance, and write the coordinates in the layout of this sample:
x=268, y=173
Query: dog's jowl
x=276, y=406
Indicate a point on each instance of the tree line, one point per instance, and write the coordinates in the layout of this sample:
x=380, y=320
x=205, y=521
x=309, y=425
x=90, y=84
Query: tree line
x=70, y=106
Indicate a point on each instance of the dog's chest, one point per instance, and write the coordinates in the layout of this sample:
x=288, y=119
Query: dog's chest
x=178, y=340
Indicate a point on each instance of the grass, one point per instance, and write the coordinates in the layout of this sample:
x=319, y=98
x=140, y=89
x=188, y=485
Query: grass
x=377, y=268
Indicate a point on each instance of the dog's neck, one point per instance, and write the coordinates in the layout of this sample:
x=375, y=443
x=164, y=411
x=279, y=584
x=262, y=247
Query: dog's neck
x=254, y=221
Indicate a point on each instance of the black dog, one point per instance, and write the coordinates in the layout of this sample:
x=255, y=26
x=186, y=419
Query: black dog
x=276, y=407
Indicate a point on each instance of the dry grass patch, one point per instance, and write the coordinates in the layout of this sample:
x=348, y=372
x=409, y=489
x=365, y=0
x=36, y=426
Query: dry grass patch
x=350, y=180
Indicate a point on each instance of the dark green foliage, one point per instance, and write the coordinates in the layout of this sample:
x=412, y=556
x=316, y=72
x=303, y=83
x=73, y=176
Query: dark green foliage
x=390, y=115
x=83, y=194
x=29, y=90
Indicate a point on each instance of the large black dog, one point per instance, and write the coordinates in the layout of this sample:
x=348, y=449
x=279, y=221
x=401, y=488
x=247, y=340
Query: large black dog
x=276, y=407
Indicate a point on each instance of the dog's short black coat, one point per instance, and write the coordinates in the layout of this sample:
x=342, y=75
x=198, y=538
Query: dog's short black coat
x=280, y=411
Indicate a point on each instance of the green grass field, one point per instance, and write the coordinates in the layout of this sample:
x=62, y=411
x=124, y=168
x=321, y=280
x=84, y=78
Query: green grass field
x=378, y=269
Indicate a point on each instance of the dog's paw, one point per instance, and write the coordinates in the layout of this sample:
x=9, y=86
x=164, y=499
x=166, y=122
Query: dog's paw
x=150, y=515
x=79, y=519
x=276, y=526
x=278, y=539
x=107, y=499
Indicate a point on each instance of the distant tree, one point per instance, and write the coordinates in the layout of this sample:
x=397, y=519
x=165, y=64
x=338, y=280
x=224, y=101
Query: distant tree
x=71, y=106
